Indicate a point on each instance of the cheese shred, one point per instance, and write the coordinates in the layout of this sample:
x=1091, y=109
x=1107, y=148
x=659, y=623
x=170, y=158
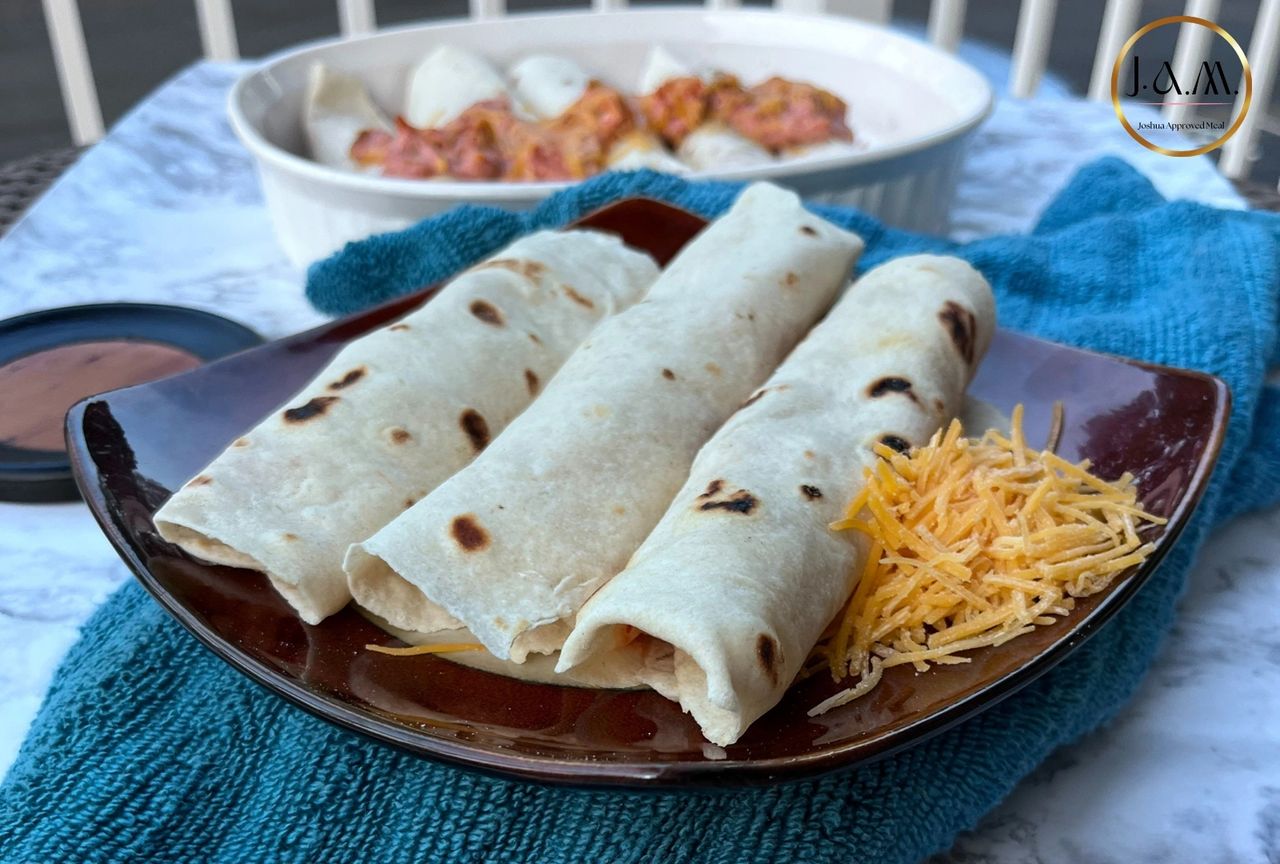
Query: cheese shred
x=414, y=650
x=971, y=543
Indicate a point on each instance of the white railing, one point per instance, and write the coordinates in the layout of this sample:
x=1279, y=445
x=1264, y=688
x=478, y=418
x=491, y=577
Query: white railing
x=356, y=17
x=217, y=29
x=75, y=75
x=945, y=28
x=1263, y=52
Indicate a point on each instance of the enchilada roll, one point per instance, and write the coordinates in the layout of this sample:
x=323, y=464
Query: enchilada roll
x=548, y=84
x=398, y=411
x=511, y=546
x=713, y=146
x=336, y=109
x=553, y=86
x=642, y=149
x=447, y=82
x=677, y=105
x=721, y=604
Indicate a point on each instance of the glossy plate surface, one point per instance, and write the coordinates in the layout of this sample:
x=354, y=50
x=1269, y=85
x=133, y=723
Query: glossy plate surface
x=131, y=448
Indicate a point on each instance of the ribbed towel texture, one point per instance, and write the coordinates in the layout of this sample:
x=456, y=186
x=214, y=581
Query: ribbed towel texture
x=150, y=749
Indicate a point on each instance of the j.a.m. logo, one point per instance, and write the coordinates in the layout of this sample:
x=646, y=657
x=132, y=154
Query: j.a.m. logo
x=1154, y=81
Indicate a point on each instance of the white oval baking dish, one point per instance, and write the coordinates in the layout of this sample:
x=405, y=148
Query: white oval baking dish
x=912, y=104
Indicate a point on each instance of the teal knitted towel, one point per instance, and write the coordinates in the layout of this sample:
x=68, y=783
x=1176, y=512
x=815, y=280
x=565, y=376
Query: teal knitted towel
x=150, y=749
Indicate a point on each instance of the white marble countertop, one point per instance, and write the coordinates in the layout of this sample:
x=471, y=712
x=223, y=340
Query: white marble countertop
x=167, y=209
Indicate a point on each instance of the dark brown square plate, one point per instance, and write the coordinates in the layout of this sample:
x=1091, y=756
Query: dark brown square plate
x=131, y=448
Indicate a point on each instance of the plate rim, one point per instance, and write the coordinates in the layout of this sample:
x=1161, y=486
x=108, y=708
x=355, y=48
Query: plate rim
x=725, y=773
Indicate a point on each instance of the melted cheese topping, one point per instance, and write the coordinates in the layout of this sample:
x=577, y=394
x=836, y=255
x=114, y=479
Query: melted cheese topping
x=974, y=543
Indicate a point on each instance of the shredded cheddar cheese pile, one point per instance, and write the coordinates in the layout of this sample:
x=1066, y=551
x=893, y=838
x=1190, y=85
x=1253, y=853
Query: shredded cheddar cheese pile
x=973, y=543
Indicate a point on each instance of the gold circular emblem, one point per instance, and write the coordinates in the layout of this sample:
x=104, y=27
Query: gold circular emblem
x=1163, y=22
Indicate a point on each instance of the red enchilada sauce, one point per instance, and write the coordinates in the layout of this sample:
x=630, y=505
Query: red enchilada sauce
x=36, y=390
x=488, y=141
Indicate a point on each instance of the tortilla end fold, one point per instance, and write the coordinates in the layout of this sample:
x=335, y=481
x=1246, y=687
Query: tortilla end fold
x=616, y=653
x=312, y=599
x=375, y=585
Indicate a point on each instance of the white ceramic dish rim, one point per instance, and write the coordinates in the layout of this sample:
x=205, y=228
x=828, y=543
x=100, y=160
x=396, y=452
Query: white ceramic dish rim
x=481, y=191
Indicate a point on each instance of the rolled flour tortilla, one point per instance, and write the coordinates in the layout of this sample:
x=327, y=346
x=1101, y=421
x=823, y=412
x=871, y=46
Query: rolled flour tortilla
x=335, y=110
x=712, y=146
x=449, y=81
x=660, y=66
x=511, y=546
x=643, y=149
x=724, y=600
x=547, y=84
x=396, y=412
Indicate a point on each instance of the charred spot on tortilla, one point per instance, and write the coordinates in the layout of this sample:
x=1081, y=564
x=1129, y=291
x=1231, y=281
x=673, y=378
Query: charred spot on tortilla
x=961, y=324
x=202, y=480
x=889, y=385
x=398, y=327
x=668, y=374
x=619, y=509
x=767, y=653
x=894, y=442
x=398, y=435
x=808, y=454
x=240, y=442
x=578, y=298
x=531, y=270
x=317, y=406
x=289, y=538
x=713, y=488
x=409, y=502
x=790, y=280
x=939, y=406
x=350, y=378
x=713, y=369
x=809, y=229
x=892, y=384
x=468, y=533
x=533, y=337
x=476, y=427
x=742, y=502
x=811, y=492
x=531, y=380
x=487, y=312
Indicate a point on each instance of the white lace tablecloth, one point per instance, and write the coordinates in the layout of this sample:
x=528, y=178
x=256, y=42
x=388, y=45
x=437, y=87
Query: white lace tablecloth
x=167, y=209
